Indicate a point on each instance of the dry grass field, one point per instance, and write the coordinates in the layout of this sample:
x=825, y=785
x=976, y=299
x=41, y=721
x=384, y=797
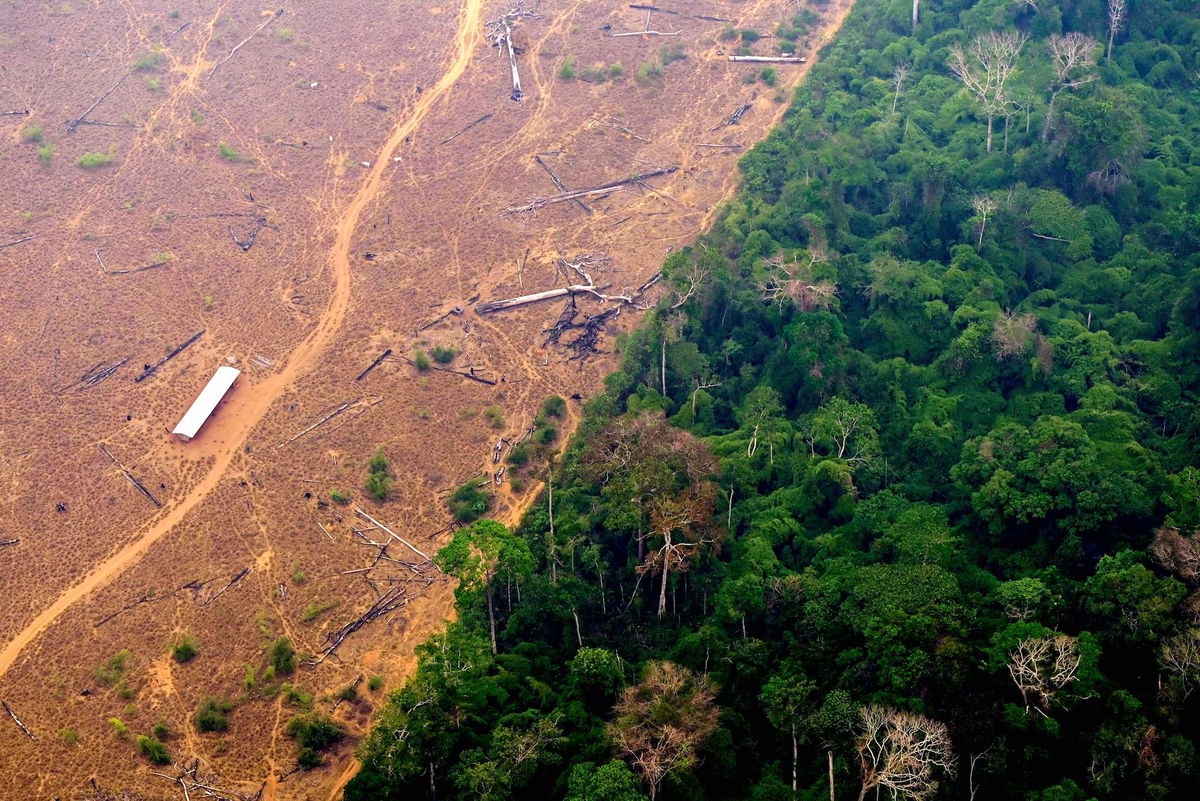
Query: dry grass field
x=323, y=129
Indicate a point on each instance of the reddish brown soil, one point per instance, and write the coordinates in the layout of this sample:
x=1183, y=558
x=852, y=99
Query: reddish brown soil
x=302, y=313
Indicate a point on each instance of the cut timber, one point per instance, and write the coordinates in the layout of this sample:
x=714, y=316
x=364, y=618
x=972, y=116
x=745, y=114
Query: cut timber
x=390, y=601
x=602, y=189
x=510, y=303
x=201, y=408
x=82, y=118
x=362, y=403
x=19, y=241
x=17, y=721
x=469, y=126
x=8, y=542
x=561, y=186
x=238, y=46
x=771, y=59
x=705, y=17
x=231, y=583
x=378, y=361
x=358, y=510
x=150, y=369
x=132, y=478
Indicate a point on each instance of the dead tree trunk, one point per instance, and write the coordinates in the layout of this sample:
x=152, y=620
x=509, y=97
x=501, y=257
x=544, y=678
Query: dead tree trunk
x=538, y=203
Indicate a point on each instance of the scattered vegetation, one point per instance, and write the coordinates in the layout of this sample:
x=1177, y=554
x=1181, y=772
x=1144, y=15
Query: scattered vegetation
x=379, y=476
x=119, y=728
x=153, y=749
x=68, y=736
x=648, y=71
x=316, y=609
x=295, y=696
x=769, y=76
x=96, y=160
x=374, y=683
x=148, y=61
x=32, y=134
x=468, y=503
x=495, y=416
x=314, y=733
x=46, y=154
x=566, y=70
x=228, y=153
x=282, y=657
x=213, y=715
x=339, y=497
x=420, y=361
x=185, y=648
x=443, y=355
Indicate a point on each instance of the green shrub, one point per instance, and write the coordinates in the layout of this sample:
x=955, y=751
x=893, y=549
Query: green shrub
x=228, y=153
x=92, y=161
x=118, y=726
x=468, y=503
x=69, y=736
x=213, y=715
x=148, y=62
x=153, y=84
x=554, y=406
x=495, y=416
x=185, y=649
x=308, y=758
x=671, y=54
x=348, y=693
x=727, y=34
x=616, y=71
x=283, y=656
x=649, y=70
x=46, y=154
x=296, y=697
x=315, y=610
x=159, y=731
x=421, y=361
x=286, y=35
x=546, y=435
x=314, y=730
x=374, y=683
x=566, y=71
x=443, y=355
x=518, y=455
x=113, y=669
x=769, y=76
x=339, y=497
x=750, y=35
x=32, y=133
x=196, y=116
x=379, y=476
x=154, y=750
x=299, y=576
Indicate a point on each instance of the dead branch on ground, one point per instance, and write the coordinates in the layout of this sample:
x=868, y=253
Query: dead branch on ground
x=358, y=510
x=602, y=189
x=561, y=186
x=238, y=46
x=191, y=782
x=732, y=119
x=19, y=113
x=342, y=698
x=359, y=404
x=646, y=27
x=94, y=376
x=378, y=361
x=457, y=310
x=609, y=121
x=19, y=241
x=705, y=17
x=178, y=31
x=8, y=542
x=82, y=118
x=132, y=478
x=500, y=35
x=17, y=721
x=104, y=267
x=462, y=131
x=150, y=369
x=259, y=224
x=770, y=59
x=232, y=582
x=390, y=601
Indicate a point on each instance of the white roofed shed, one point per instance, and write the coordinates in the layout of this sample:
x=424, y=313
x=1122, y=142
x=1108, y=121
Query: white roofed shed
x=206, y=401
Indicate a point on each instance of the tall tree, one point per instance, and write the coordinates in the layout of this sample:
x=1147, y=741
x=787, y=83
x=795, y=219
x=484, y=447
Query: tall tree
x=1073, y=58
x=481, y=552
x=901, y=751
x=785, y=699
x=661, y=723
x=1118, y=11
x=985, y=68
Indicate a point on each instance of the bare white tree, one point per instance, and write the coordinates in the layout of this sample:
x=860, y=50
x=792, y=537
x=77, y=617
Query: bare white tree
x=1073, y=58
x=900, y=751
x=985, y=67
x=1180, y=655
x=793, y=281
x=1118, y=11
x=916, y=10
x=984, y=207
x=899, y=75
x=1041, y=666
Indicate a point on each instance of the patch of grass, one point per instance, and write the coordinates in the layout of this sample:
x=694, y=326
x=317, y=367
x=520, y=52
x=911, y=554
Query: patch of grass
x=213, y=714
x=348, y=693
x=314, y=730
x=46, y=154
x=283, y=656
x=153, y=84
x=159, y=731
x=296, y=697
x=671, y=54
x=495, y=416
x=96, y=160
x=228, y=153
x=299, y=576
x=286, y=35
x=374, y=683
x=339, y=497
x=468, y=503
x=554, y=406
x=518, y=455
x=69, y=736
x=148, y=62
x=315, y=610
x=769, y=76
x=616, y=71
x=749, y=35
x=118, y=726
x=443, y=355
x=113, y=669
x=421, y=361
x=379, y=476
x=727, y=34
x=153, y=749
x=566, y=70
x=185, y=648
x=32, y=133
x=197, y=117
x=648, y=71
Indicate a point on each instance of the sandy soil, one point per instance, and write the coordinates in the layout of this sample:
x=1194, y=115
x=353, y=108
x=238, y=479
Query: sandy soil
x=328, y=125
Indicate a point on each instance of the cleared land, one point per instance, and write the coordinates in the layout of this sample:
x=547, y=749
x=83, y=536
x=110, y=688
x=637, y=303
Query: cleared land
x=341, y=145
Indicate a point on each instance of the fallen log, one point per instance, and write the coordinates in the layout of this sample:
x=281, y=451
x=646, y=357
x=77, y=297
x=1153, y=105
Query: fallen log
x=8, y=542
x=510, y=303
x=469, y=126
x=457, y=310
x=393, y=599
x=20, y=113
x=132, y=478
x=17, y=721
x=75, y=123
x=365, y=402
x=705, y=17
x=19, y=241
x=94, y=376
x=238, y=46
x=178, y=31
x=378, y=361
x=732, y=119
x=231, y=583
x=561, y=186
x=770, y=59
x=358, y=510
x=104, y=267
x=150, y=369
x=538, y=203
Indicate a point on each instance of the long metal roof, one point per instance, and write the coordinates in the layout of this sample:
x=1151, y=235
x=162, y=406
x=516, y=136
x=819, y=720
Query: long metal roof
x=206, y=401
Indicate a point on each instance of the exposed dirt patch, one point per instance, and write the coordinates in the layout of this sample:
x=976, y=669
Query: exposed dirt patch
x=275, y=141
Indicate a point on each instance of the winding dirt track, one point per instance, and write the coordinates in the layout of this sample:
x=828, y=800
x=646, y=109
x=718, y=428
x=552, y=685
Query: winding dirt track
x=247, y=409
